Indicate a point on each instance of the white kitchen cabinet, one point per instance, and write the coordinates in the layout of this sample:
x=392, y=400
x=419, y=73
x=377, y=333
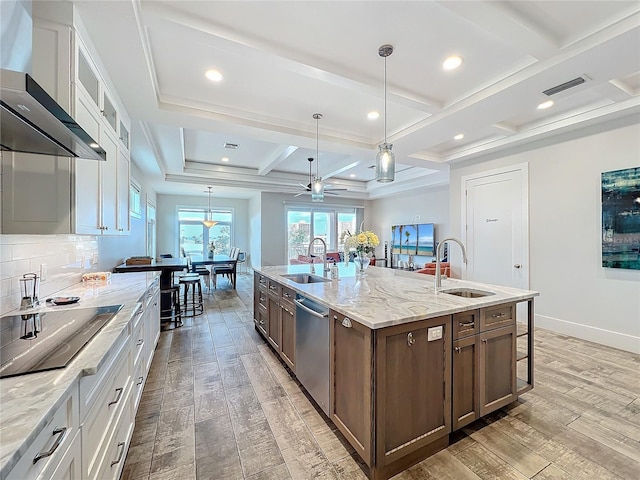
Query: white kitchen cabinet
x=47, y=451
x=69, y=467
x=152, y=325
x=61, y=195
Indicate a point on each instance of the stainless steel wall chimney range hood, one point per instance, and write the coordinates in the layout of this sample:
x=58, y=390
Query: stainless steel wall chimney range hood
x=32, y=122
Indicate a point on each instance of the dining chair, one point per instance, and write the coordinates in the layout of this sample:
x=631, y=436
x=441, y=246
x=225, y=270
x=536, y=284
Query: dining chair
x=229, y=269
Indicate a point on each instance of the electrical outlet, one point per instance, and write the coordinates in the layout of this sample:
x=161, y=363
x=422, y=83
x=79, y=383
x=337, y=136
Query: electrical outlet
x=43, y=272
x=434, y=333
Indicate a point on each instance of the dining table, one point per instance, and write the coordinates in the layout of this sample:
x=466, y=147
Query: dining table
x=217, y=259
x=166, y=266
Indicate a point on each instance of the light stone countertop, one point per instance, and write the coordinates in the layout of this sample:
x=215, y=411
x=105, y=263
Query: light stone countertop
x=28, y=402
x=386, y=297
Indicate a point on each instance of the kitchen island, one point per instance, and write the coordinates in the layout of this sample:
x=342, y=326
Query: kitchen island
x=401, y=364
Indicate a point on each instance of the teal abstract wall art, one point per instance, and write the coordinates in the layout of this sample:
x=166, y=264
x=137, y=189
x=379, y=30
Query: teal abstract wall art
x=621, y=219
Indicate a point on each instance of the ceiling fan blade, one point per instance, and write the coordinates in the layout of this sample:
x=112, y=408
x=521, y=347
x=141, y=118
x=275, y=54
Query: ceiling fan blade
x=329, y=189
x=303, y=186
x=328, y=192
x=298, y=194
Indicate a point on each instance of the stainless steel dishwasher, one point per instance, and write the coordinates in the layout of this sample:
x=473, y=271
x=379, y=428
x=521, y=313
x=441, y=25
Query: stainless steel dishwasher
x=312, y=349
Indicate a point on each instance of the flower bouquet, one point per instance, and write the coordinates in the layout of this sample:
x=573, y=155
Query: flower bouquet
x=361, y=244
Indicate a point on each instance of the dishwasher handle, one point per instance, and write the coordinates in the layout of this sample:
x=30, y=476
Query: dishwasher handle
x=310, y=311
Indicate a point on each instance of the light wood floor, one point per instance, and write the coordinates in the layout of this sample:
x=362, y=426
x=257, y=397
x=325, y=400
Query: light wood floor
x=218, y=404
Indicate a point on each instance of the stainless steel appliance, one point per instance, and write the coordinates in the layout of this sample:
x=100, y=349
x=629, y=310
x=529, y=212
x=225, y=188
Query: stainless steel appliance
x=29, y=288
x=312, y=349
x=35, y=342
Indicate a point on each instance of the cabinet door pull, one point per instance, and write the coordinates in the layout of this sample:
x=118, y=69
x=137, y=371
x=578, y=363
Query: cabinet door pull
x=410, y=339
x=484, y=340
x=119, y=390
x=457, y=349
x=347, y=322
x=468, y=324
x=61, y=432
x=117, y=460
x=499, y=315
x=140, y=380
x=261, y=322
x=140, y=342
x=286, y=295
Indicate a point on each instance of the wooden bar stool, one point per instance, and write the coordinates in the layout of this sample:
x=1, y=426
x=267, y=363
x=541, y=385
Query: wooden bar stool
x=174, y=313
x=195, y=303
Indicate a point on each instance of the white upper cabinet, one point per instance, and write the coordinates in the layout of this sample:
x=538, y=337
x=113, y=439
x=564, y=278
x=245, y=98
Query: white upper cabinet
x=97, y=202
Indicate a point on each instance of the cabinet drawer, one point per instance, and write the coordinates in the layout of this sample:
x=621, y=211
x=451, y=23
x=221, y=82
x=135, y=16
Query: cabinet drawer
x=116, y=449
x=99, y=425
x=139, y=378
x=498, y=316
x=138, y=315
x=274, y=288
x=262, y=281
x=262, y=299
x=465, y=324
x=51, y=443
x=137, y=344
x=288, y=294
x=69, y=465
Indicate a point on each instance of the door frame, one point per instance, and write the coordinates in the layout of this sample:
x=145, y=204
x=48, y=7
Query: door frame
x=523, y=168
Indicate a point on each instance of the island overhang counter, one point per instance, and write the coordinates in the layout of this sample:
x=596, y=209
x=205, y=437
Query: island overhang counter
x=407, y=363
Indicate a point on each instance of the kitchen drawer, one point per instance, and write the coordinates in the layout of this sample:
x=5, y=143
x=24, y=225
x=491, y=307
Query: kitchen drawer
x=465, y=324
x=139, y=378
x=116, y=449
x=498, y=316
x=138, y=316
x=91, y=386
x=69, y=466
x=288, y=294
x=262, y=281
x=274, y=288
x=137, y=345
x=100, y=422
x=262, y=298
x=262, y=320
x=54, y=439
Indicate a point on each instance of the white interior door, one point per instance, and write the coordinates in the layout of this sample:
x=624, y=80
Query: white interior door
x=495, y=217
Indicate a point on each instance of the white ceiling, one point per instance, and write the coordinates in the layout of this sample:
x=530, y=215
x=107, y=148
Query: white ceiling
x=284, y=61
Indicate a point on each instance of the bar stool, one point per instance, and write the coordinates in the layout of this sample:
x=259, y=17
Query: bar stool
x=196, y=304
x=174, y=313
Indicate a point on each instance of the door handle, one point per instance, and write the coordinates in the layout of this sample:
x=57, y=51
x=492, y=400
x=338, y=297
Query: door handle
x=410, y=339
x=517, y=265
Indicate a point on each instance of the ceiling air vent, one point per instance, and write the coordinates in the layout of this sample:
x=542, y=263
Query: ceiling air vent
x=232, y=146
x=564, y=86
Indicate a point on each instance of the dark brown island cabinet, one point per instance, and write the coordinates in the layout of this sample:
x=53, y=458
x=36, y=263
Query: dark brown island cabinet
x=398, y=392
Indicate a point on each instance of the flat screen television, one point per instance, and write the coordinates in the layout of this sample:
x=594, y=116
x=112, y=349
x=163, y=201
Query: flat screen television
x=414, y=239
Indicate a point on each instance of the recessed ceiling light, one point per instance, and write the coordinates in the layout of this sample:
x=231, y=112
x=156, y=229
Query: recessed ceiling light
x=213, y=75
x=225, y=159
x=373, y=115
x=353, y=175
x=459, y=136
x=452, y=63
x=545, y=105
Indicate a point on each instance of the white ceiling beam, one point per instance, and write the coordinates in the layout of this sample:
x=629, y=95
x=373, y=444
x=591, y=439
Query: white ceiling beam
x=615, y=90
x=501, y=20
x=340, y=170
x=504, y=127
x=276, y=158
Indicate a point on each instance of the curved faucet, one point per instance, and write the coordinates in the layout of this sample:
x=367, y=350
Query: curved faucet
x=438, y=255
x=324, y=255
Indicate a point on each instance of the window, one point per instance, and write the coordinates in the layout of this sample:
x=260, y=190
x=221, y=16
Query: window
x=135, y=207
x=194, y=236
x=151, y=229
x=305, y=223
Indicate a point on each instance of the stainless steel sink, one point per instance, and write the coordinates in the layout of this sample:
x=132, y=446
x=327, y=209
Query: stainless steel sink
x=305, y=278
x=466, y=292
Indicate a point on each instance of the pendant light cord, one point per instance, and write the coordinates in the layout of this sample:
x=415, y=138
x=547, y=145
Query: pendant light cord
x=385, y=100
x=317, y=154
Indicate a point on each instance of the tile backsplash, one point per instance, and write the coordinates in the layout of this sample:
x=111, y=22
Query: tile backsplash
x=66, y=257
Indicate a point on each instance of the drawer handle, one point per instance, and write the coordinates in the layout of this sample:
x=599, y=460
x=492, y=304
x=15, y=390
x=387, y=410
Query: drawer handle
x=61, y=432
x=117, y=460
x=457, y=349
x=261, y=322
x=140, y=342
x=499, y=315
x=468, y=324
x=286, y=295
x=119, y=390
x=410, y=339
x=262, y=299
x=484, y=340
x=140, y=380
x=347, y=322
x=273, y=287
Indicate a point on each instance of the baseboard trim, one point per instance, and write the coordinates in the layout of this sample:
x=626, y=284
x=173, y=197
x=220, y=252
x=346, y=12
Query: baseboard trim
x=609, y=338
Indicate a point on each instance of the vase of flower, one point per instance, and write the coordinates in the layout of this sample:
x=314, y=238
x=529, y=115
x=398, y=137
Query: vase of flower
x=212, y=248
x=362, y=262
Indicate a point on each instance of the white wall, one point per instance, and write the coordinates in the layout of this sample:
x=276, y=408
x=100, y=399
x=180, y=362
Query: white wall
x=167, y=218
x=255, y=231
x=431, y=205
x=578, y=296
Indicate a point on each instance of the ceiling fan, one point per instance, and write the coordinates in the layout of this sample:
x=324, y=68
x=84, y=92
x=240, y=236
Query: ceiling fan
x=308, y=188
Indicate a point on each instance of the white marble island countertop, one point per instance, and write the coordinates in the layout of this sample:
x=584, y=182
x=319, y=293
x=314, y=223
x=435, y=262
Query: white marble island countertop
x=386, y=297
x=27, y=402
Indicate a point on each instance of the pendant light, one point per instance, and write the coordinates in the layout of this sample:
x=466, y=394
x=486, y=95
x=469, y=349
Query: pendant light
x=385, y=159
x=208, y=222
x=317, y=188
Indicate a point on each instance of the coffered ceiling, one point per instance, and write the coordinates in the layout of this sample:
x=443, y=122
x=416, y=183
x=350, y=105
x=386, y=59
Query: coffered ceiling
x=284, y=61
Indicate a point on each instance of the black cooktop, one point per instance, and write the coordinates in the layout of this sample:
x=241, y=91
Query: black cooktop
x=35, y=342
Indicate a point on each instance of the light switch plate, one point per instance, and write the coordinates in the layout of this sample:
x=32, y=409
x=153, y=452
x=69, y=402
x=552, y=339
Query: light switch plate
x=434, y=333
